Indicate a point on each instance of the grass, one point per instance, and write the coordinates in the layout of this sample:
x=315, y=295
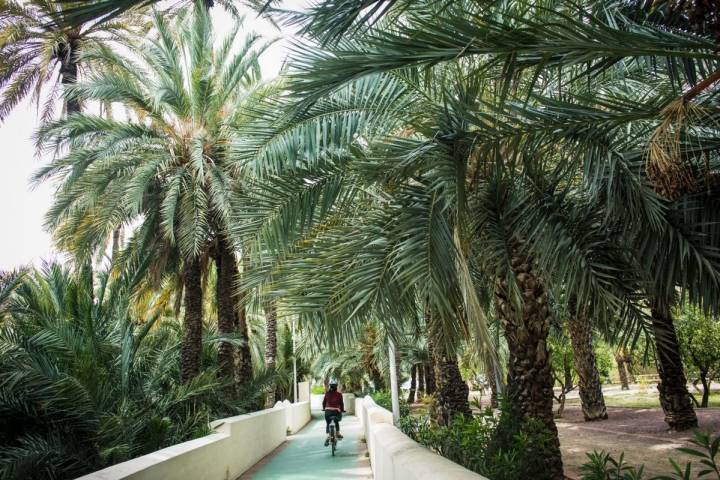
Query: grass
x=648, y=399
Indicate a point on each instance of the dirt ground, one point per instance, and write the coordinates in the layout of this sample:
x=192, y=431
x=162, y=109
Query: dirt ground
x=641, y=433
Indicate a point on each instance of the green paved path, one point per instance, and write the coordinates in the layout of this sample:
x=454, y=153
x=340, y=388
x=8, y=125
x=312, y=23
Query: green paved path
x=303, y=456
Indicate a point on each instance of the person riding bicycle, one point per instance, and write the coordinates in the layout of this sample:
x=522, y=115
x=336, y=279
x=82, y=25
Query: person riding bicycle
x=333, y=407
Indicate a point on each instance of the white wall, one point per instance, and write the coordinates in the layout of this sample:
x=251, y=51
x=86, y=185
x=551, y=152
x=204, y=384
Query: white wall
x=237, y=444
x=303, y=391
x=297, y=415
x=394, y=456
x=349, y=402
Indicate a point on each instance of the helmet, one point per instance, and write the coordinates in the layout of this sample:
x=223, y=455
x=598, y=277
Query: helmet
x=333, y=382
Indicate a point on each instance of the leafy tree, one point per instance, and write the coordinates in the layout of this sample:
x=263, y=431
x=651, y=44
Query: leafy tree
x=699, y=336
x=166, y=166
x=38, y=50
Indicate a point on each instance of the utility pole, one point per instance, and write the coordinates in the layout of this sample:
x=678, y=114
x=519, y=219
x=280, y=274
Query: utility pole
x=394, y=384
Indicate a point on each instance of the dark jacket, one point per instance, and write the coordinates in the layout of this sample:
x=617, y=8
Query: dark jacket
x=333, y=400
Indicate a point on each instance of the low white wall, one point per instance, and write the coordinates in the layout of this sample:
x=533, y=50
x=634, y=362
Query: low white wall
x=394, y=456
x=297, y=415
x=237, y=444
x=349, y=402
x=303, y=391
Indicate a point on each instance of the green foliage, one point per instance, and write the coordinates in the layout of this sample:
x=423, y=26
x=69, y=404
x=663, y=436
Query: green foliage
x=384, y=399
x=519, y=448
x=86, y=382
x=482, y=444
x=464, y=442
x=699, y=337
x=603, y=360
x=603, y=466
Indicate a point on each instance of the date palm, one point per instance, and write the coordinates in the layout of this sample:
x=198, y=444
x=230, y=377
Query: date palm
x=163, y=169
x=87, y=380
x=39, y=52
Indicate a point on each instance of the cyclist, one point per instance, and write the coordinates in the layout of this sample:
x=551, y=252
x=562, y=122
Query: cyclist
x=333, y=407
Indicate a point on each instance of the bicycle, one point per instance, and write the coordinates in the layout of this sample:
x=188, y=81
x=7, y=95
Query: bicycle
x=333, y=435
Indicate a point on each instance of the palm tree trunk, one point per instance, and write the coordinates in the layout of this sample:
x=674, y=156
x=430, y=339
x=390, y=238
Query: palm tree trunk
x=420, y=368
x=674, y=396
x=429, y=371
x=68, y=55
x=629, y=366
x=115, y=243
x=192, y=338
x=452, y=392
x=621, y=371
x=226, y=304
x=270, y=345
x=413, y=384
x=530, y=381
x=591, y=394
x=244, y=372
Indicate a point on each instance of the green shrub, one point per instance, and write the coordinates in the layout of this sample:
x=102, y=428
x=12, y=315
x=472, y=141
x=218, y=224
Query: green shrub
x=465, y=442
x=603, y=466
x=384, y=399
x=483, y=444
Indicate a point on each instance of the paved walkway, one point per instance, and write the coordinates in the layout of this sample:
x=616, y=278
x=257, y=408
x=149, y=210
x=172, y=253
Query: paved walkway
x=304, y=457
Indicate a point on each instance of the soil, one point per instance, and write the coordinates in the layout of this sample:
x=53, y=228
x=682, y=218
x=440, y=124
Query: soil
x=640, y=433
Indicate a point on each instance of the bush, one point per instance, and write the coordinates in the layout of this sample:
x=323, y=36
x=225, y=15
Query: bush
x=464, y=442
x=482, y=443
x=603, y=466
x=86, y=382
x=384, y=399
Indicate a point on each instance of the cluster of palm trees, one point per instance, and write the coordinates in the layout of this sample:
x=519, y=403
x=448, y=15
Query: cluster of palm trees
x=420, y=166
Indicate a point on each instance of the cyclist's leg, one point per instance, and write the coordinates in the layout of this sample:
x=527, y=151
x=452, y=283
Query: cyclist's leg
x=337, y=425
x=328, y=419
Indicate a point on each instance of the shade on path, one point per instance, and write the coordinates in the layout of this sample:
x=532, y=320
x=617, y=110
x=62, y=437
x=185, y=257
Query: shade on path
x=304, y=456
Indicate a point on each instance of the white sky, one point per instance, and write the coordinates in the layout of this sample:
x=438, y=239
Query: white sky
x=23, y=240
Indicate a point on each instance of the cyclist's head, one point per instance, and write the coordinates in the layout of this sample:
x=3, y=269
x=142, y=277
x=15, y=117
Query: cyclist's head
x=333, y=386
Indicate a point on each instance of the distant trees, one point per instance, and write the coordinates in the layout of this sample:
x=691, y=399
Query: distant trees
x=699, y=337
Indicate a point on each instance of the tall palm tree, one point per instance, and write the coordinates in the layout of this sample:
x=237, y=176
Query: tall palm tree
x=271, y=350
x=581, y=332
x=165, y=166
x=38, y=51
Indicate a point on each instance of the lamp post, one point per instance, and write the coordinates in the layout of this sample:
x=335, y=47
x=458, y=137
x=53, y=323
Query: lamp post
x=394, y=383
x=295, y=385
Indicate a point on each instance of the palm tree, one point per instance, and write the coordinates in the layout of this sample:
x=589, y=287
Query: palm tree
x=271, y=319
x=581, y=332
x=38, y=50
x=166, y=165
x=88, y=380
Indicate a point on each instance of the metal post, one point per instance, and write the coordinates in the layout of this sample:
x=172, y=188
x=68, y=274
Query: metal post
x=295, y=384
x=394, y=384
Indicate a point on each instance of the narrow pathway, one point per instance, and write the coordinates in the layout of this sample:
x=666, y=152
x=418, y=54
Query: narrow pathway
x=304, y=457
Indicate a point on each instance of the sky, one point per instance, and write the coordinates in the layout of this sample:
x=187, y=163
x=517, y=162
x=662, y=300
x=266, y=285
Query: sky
x=23, y=240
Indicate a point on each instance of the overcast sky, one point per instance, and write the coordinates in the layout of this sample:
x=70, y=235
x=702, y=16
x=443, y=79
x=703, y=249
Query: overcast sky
x=23, y=240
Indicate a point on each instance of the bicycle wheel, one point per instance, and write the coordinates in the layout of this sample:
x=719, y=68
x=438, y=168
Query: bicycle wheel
x=333, y=440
